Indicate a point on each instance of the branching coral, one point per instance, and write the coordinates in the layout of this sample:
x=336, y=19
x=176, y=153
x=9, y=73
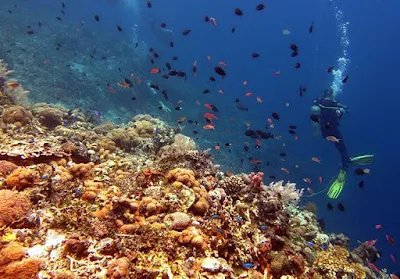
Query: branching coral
x=334, y=261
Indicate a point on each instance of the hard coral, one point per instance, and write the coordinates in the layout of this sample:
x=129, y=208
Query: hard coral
x=51, y=118
x=177, y=221
x=14, y=265
x=22, y=178
x=82, y=171
x=6, y=167
x=118, y=268
x=185, y=176
x=13, y=207
x=17, y=115
x=233, y=185
x=335, y=261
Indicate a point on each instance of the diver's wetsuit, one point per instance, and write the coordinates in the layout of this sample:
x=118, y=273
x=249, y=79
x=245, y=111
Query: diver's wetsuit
x=329, y=124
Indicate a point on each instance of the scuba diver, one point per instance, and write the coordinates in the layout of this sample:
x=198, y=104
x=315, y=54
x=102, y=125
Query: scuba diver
x=326, y=113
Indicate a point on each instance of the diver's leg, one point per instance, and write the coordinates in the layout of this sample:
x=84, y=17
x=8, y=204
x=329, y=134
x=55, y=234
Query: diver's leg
x=341, y=147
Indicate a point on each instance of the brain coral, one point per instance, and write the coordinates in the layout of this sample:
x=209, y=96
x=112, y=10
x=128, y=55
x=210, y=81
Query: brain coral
x=17, y=115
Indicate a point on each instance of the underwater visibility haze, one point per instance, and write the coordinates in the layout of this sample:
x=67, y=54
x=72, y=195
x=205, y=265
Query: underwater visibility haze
x=229, y=138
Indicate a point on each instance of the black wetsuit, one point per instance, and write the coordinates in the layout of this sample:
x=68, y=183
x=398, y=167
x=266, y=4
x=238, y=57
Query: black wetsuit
x=329, y=124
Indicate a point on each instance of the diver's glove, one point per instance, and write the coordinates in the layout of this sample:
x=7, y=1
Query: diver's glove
x=337, y=186
x=340, y=112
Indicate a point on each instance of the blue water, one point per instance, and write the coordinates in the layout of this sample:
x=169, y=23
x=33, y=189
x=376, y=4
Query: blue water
x=70, y=76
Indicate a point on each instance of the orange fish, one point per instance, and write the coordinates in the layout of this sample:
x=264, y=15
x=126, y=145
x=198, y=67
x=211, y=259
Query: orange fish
x=123, y=84
x=220, y=92
x=307, y=180
x=155, y=71
x=370, y=243
x=208, y=106
x=181, y=119
x=378, y=227
x=248, y=94
x=390, y=239
x=316, y=160
x=392, y=276
x=285, y=170
x=245, y=82
x=393, y=258
x=373, y=267
x=277, y=73
x=111, y=89
x=320, y=179
x=138, y=81
x=208, y=57
x=258, y=142
x=210, y=116
x=296, y=138
x=256, y=161
x=13, y=84
x=332, y=138
x=209, y=127
x=310, y=191
x=222, y=63
x=259, y=100
x=217, y=147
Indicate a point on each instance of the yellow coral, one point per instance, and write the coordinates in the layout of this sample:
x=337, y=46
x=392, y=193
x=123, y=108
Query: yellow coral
x=17, y=115
x=335, y=260
x=184, y=176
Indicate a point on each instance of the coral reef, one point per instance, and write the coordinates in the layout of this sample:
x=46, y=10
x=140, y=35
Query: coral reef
x=82, y=198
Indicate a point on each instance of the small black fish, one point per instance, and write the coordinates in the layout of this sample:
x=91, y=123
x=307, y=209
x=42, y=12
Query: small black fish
x=206, y=19
x=39, y=24
x=62, y=5
x=310, y=30
x=359, y=171
x=9, y=11
x=275, y=115
x=148, y=4
x=155, y=54
x=272, y=177
x=220, y=71
x=173, y=73
x=329, y=69
x=129, y=82
x=301, y=90
x=246, y=148
x=165, y=94
x=168, y=65
x=255, y=55
x=154, y=86
x=151, y=49
x=206, y=91
x=119, y=28
x=330, y=206
x=260, y=7
x=314, y=118
x=297, y=65
x=171, y=44
x=165, y=76
x=233, y=29
x=345, y=79
x=30, y=32
x=190, y=121
x=282, y=154
x=63, y=12
x=214, y=108
x=293, y=127
x=238, y=12
x=294, y=47
x=292, y=132
x=212, y=78
x=295, y=53
x=178, y=108
x=163, y=25
x=97, y=18
x=152, y=61
x=361, y=184
x=195, y=132
x=58, y=18
x=174, y=58
x=133, y=98
x=186, y=32
x=340, y=206
x=136, y=44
